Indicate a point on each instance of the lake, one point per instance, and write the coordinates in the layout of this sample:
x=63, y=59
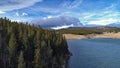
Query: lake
x=94, y=53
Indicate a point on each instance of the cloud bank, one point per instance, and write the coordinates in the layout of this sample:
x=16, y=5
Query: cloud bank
x=57, y=22
x=103, y=22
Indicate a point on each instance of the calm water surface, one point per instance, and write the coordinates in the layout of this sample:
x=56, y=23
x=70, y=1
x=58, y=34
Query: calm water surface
x=94, y=53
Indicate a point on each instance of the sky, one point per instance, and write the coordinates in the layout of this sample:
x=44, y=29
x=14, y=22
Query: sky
x=62, y=13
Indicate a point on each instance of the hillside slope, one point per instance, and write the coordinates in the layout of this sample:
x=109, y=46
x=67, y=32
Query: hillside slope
x=26, y=46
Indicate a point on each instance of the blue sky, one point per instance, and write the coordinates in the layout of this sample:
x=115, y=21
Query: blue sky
x=62, y=13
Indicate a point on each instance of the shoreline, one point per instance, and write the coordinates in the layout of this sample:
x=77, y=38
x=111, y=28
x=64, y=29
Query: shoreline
x=91, y=36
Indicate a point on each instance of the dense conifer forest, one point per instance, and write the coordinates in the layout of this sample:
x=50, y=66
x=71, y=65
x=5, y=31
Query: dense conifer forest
x=92, y=30
x=27, y=46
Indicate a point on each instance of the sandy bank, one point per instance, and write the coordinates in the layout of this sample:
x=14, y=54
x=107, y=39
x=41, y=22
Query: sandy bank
x=104, y=35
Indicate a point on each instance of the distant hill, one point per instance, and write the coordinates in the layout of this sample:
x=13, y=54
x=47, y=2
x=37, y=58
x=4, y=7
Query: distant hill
x=114, y=25
x=89, y=30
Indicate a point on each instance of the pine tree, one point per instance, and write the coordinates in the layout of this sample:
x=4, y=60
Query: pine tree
x=37, y=39
x=37, y=59
x=12, y=50
x=21, y=61
x=12, y=45
x=26, y=46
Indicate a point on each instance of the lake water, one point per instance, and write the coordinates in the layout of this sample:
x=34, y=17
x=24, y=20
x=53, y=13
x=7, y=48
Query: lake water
x=94, y=53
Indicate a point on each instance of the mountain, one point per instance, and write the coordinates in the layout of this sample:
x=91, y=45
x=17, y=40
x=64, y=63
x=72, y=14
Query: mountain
x=114, y=25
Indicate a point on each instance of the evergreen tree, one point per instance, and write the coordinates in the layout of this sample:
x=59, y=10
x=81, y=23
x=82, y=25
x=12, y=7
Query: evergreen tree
x=21, y=61
x=37, y=39
x=27, y=46
x=37, y=59
x=12, y=45
x=12, y=50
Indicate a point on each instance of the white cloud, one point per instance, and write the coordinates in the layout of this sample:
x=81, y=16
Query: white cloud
x=103, y=17
x=76, y=3
x=103, y=21
x=1, y=12
x=61, y=27
x=71, y=4
x=63, y=6
x=112, y=6
x=20, y=14
x=88, y=16
x=17, y=14
x=8, y=5
x=24, y=14
x=48, y=17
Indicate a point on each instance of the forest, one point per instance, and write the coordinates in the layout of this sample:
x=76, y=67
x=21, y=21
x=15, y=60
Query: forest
x=91, y=30
x=26, y=46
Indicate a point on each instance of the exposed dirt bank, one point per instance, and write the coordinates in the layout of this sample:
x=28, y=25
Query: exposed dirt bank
x=104, y=35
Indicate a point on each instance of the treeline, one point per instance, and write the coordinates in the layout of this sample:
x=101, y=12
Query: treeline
x=26, y=46
x=86, y=31
x=80, y=31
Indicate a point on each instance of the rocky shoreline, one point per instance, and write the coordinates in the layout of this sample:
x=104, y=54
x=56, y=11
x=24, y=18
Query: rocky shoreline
x=104, y=35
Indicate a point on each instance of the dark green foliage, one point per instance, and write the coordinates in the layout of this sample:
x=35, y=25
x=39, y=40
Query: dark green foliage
x=12, y=48
x=27, y=46
x=12, y=45
x=21, y=61
x=81, y=31
x=37, y=59
x=86, y=31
